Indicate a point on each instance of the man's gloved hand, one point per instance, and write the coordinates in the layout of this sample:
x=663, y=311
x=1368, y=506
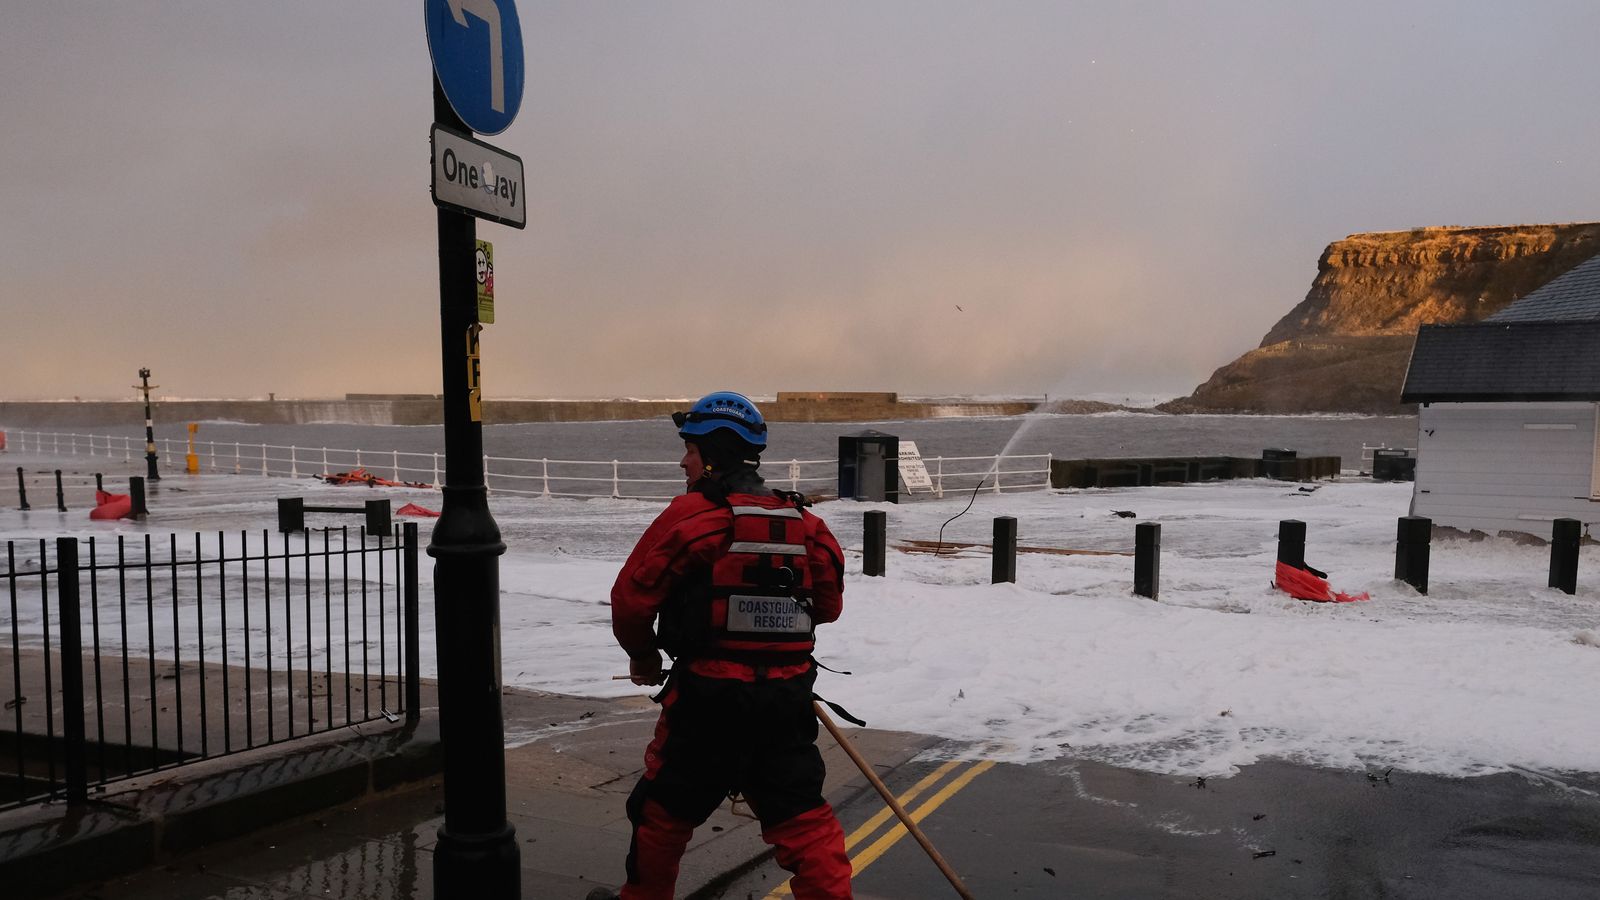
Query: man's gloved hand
x=645, y=669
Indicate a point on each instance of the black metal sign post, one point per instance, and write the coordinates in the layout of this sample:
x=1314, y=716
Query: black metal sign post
x=149, y=426
x=477, y=853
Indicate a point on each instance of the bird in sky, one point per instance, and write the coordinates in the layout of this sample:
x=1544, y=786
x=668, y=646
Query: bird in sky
x=959, y=309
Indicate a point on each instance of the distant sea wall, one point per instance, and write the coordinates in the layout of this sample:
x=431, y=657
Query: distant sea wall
x=368, y=409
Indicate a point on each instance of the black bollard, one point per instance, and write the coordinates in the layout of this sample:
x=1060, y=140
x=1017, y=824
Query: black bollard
x=875, y=528
x=1147, y=559
x=61, y=497
x=378, y=518
x=22, y=490
x=99, y=482
x=136, y=495
x=292, y=514
x=1564, y=537
x=1005, y=550
x=1292, y=543
x=1411, y=551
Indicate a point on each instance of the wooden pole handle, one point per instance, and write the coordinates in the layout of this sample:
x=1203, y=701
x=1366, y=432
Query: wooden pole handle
x=888, y=797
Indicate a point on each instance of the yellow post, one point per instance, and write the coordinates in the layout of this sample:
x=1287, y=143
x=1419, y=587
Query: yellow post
x=192, y=461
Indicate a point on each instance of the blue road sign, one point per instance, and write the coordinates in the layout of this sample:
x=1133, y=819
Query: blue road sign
x=477, y=53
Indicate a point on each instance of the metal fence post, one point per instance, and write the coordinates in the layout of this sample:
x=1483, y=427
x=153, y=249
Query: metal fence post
x=1411, y=551
x=1147, y=559
x=413, y=645
x=997, y=459
x=263, y=460
x=1005, y=550
x=61, y=498
x=615, y=490
x=325, y=461
x=1565, y=535
x=436, y=470
x=874, y=535
x=235, y=457
x=294, y=465
x=544, y=473
x=127, y=449
x=396, y=465
x=22, y=490
x=72, y=730
x=938, y=477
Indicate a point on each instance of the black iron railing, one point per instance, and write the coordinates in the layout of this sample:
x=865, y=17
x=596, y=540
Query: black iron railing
x=136, y=656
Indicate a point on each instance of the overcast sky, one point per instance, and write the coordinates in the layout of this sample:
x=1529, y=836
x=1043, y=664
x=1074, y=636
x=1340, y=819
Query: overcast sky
x=1119, y=196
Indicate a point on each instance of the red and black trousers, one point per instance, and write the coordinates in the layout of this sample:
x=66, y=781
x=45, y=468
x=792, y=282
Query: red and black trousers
x=720, y=736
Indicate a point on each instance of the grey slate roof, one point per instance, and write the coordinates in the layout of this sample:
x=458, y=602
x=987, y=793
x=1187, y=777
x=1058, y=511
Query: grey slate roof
x=1528, y=361
x=1574, y=295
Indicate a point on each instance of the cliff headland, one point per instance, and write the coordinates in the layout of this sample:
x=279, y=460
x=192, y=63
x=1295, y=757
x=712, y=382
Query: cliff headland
x=1345, y=347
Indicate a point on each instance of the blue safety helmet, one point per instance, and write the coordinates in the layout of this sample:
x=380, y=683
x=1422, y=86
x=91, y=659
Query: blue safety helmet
x=727, y=411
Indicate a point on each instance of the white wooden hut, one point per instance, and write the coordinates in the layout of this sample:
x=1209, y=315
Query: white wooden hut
x=1509, y=416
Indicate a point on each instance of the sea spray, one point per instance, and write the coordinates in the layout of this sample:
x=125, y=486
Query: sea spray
x=1028, y=420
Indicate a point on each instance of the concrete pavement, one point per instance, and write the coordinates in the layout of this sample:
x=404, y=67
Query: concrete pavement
x=570, y=764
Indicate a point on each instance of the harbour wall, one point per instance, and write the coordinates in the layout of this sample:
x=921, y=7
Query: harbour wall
x=413, y=410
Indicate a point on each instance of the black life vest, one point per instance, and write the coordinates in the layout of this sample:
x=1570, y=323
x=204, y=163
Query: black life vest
x=756, y=606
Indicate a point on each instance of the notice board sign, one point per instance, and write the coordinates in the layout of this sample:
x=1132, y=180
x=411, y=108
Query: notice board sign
x=912, y=472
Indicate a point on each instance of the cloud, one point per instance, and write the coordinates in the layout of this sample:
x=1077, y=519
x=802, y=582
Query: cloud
x=1120, y=197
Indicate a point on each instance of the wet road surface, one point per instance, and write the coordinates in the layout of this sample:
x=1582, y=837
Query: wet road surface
x=1083, y=830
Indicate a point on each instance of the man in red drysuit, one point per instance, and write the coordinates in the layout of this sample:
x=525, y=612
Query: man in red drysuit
x=730, y=580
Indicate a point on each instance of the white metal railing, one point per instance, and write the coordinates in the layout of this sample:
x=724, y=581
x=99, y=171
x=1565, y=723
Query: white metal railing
x=541, y=477
x=632, y=479
x=995, y=474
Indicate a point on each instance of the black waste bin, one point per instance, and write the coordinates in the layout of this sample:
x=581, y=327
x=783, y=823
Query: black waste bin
x=1393, y=464
x=1278, y=462
x=869, y=466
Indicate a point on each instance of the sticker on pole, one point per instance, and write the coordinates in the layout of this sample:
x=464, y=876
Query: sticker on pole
x=475, y=178
x=476, y=47
x=483, y=267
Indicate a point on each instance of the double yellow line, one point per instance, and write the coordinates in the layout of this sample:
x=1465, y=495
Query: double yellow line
x=877, y=848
